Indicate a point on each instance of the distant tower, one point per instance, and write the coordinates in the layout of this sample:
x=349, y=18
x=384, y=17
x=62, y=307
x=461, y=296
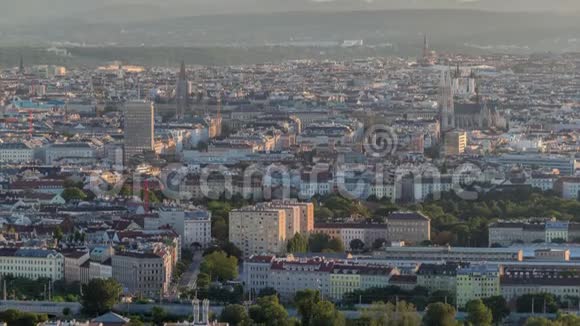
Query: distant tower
x=463, y=85
x=139, y=129
x=425, y=48
x=182, y=92
x=21, y=65
x=446, y=106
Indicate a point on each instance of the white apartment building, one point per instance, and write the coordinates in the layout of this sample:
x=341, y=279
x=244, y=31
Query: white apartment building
x=258, y=230
x=197, y=228
x=383, y=190
x=144, y=274
x=56, y=152
x=32, y=263
x=333, y=278
x=287, y=275
x=311, y=188
x=192, y=226
x=16, y=153
x=543, y=182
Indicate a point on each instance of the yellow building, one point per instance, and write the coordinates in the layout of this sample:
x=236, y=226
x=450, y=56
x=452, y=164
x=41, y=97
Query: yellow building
x=343, y=281
x=345, y=278
x=477, y=282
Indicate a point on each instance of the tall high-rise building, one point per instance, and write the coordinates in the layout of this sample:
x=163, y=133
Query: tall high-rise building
x=258, y=230
x=139, y=129
x=455, y=143
x=446, y=106
x=182, y=92
x=21, y=65
x=425, y=48
x=428, y=58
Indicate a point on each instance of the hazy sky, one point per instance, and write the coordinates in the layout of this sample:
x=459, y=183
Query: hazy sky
x=26, y=11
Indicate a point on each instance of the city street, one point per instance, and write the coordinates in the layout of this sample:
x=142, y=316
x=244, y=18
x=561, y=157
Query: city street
x=188, y=279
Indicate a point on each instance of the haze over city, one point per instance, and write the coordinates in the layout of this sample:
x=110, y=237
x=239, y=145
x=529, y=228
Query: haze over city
x=27, y=11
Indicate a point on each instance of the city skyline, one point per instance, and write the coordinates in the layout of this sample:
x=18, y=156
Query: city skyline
x=305, y=163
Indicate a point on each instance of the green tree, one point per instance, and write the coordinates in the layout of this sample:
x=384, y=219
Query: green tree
x=323, y=214
x=389, y=314
x=499, y=308
x=79, y=237
x=158, y=315
x=357, y=244
x=19, y=318
x=135, y=322
x=341, y=206
x=203, y=280
x=562, y=320
x=231, y=249
x=442, y=296
x=219, y=229
x=540, y=301
x=234, y=314
x=439, y=314
x=269, y=311
x=336, y=245
x=220, y=266
x=317, y=242
x=569, y=320
x=539, y=321
x=99, y=296
x=297, y=244
x=267, y=291
x=73, y=194
x=57, y=235
x=305, y=301
x=478, y=314
x=378, y=243
x=324, y=313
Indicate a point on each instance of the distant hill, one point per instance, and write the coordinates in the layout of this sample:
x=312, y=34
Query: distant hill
x=28, y=11
x=448, y=30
